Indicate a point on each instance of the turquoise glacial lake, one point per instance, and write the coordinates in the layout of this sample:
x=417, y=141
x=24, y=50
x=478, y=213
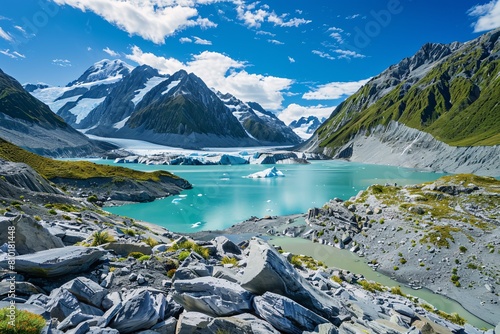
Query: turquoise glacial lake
x=222, y=196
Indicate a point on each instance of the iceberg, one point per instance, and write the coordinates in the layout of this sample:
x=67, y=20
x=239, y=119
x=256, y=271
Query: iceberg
x=270, y=172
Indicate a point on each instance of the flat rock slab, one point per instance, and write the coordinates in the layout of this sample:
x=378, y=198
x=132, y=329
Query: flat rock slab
x=57, y=261
x=285, y=314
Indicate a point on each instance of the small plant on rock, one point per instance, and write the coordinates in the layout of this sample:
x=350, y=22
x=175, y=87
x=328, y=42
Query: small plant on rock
x=100, y=238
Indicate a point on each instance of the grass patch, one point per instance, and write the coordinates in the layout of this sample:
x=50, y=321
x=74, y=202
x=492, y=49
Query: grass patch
x=372, y=286
x=101, y=237
x=229, y=260
x=25, y=322
x=190, y=246
x=440, y=236
x=151, y=242
x=80, y=170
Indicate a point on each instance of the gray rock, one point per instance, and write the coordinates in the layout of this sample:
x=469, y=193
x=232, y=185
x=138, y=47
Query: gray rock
x=80, y=329
x=469, y=329
x=212, y=296
x=61, y=304
x=229, y=325
x=137, y=312
x=267, y=270
x=165, y=327
x=193, y=322
x=497, y=328
x=124, y=249
x=111, y=299
x=86, y=290
x=323, y=329
x=259, y=326
x=73, y=320
x=225, y=246
x=192, y=267
x=31, y=236
x=107, y=282
x=404, y=310
x=226, y=274
x=110, y=314
x=159, y=248
x=57, y=261
x=132, y=277
x=398, y=320
x=285, y=314
x=99, y=330
x=22, y=288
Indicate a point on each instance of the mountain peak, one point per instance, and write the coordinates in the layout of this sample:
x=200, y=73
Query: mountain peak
x=104, y=70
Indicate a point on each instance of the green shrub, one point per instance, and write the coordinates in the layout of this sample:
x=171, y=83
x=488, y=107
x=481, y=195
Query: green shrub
x=295, y=261
x=100, y=238
x=229, y=260
x=463, y=249
x=150, y=242
x=136, y=255
x=144, y=258
x=171, y=272
x=472, y=266
x=183, y=255
x=402, y=260
x=337, y=279
x=25, y=322
x=53, y=212
x=128, y=231
x=395, y=268
x=92, y=199
x=371, y=286
x=396, y=290
x=190, y=245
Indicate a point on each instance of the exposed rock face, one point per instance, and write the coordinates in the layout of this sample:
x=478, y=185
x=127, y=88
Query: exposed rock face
x=400, y=145
x=212, y=296
x=140, y=311
x=31, y=236
x=267, y=271
x=86, y=290
x=285, y=314
x=57, y=261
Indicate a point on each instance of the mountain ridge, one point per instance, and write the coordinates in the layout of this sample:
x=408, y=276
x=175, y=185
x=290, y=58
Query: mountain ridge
x=448, y=91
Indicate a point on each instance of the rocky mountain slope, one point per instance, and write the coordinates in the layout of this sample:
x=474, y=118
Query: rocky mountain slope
x=447, y=91
x=29, y=123
x=260, y=124
x=82, y=270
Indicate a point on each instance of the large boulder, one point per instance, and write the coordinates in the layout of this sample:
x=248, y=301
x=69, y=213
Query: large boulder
x=57, y=261
x=193, y=322
x=213, y=296
x=259, y=326
x=61, y=304
x=86, y=290
x=31, y=236
x=285, y=314
x=224, y=246
x=140, y=311
x=267, y=270
x=230, y=325
x=124, y=248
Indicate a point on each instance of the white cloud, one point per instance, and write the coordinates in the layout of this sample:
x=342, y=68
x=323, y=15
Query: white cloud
x=348, y=54
x=19, y=54
x=294, y=112
x=224, y=74
x=337, y=36
x=291, y=59
x=89, y=48
x=5, y=35
x=201, y=41
x=261, y=32
x=488, y=16
x=274, y=41
x=21, y=29
x=111, y=52
x=61, y=62
x=323, y=54
x=185, y=40
x=13, y=55
x=253, y=17
x=153, y=20
x=351, y=17
x=334, y=90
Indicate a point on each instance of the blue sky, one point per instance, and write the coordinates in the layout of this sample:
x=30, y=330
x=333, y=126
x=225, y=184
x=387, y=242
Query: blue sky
x=294, y=57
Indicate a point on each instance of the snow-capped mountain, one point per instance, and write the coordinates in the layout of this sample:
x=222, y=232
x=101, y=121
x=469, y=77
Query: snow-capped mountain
x=305, y=126
x=117, y=107
x=113, y=99
x=75, y=101
x=259, y=124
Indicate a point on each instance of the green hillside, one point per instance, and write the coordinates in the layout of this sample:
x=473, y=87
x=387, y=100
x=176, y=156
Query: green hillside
x=51, y=169
x=457, y=101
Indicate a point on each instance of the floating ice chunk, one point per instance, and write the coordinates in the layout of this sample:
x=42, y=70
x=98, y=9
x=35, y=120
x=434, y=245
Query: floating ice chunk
x=199, y=195
x=195, y=225
x=182, y=196
x=270, y=172
x=268, y=201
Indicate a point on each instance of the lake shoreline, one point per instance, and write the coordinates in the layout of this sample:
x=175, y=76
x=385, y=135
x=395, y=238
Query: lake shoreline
x=259, y=227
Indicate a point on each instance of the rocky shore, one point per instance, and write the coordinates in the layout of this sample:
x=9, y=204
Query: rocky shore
x=84, y=270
